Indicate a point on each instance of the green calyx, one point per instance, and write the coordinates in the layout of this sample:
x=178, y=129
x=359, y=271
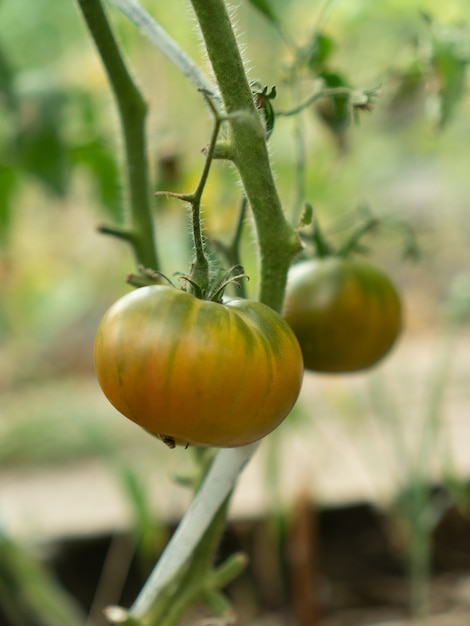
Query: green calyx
x=213, y=291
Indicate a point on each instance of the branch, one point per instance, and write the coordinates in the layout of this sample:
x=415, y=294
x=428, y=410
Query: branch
x=211, y=496
x=132, y=111
x=277, y=241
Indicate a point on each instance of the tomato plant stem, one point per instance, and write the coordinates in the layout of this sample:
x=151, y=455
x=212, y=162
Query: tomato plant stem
x=200, y=270
x=277, y=240
x=199, y=583
x=324, y=93
x=202, y=514
x=199, y=277
x=132, y=111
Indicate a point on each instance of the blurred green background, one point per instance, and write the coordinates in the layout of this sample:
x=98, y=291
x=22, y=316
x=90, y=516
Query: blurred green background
x=70, y=465
x=60, y=163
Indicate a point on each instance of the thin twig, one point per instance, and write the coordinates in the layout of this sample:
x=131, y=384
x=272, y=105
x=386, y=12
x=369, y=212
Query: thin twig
x=149, y=27
x=324, y=93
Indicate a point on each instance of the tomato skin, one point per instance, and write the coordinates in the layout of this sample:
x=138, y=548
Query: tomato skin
x=346, y=313
x=198, y=372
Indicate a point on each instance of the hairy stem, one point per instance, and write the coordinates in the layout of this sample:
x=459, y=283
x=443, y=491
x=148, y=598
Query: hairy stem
x=132, y=112
x=200, y=271
x=277, y=240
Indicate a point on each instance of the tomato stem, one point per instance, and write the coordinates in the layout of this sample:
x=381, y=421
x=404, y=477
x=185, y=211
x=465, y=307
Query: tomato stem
x=358, y=100
x=200, y=269
x=200, y=521
x=278, y=242
x=199, y=278
x=132, y=111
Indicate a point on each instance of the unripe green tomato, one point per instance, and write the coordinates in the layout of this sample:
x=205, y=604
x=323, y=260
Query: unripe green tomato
x=346, y=313
x=197, y=372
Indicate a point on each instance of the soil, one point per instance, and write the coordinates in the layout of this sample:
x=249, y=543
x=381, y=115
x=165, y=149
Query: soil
x=343, y=566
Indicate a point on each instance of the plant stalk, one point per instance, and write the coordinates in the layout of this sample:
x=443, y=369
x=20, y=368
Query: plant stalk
x=278, y=242
x=200, y=515
x=200, y=270
x=132, y=112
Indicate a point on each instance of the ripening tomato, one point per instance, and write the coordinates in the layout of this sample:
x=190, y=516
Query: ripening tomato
x=198, y=372
x=346, y=313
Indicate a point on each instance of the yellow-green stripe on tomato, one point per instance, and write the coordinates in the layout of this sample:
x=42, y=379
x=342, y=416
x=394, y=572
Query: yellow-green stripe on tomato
x=345, y=312
x=198, y=372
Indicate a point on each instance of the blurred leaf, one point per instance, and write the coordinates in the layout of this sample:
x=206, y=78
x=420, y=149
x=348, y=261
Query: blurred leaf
x=335, y=111
x=321, y=48
x=7, y=92
x=264, y=7
x=450, y=68
x=307, y=216
x=96, y=156
x=86, y=110
x=44, y=156
x=29, y=595
x=8, y=179
x=426, y=17
x=42, y=150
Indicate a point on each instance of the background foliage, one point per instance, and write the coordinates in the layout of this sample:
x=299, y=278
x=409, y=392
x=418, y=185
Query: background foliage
x=407, y=159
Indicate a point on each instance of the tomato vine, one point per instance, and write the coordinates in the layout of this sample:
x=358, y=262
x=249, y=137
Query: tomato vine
x=185, y=567
x=278, y=244
x=138, y=227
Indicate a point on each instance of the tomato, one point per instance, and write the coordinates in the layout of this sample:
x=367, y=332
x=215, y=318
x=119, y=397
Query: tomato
x=198, y=372
x=346, y=313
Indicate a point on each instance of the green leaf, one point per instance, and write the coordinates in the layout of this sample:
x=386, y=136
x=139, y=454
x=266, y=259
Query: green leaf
x=334, y=79
x=7, y=92
x=41, y=148
x=307, y=216
x=335, y=111
x=7, y=185
x=450, y=68
x=98, y=158
x=44, y=156
x=320, y=50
